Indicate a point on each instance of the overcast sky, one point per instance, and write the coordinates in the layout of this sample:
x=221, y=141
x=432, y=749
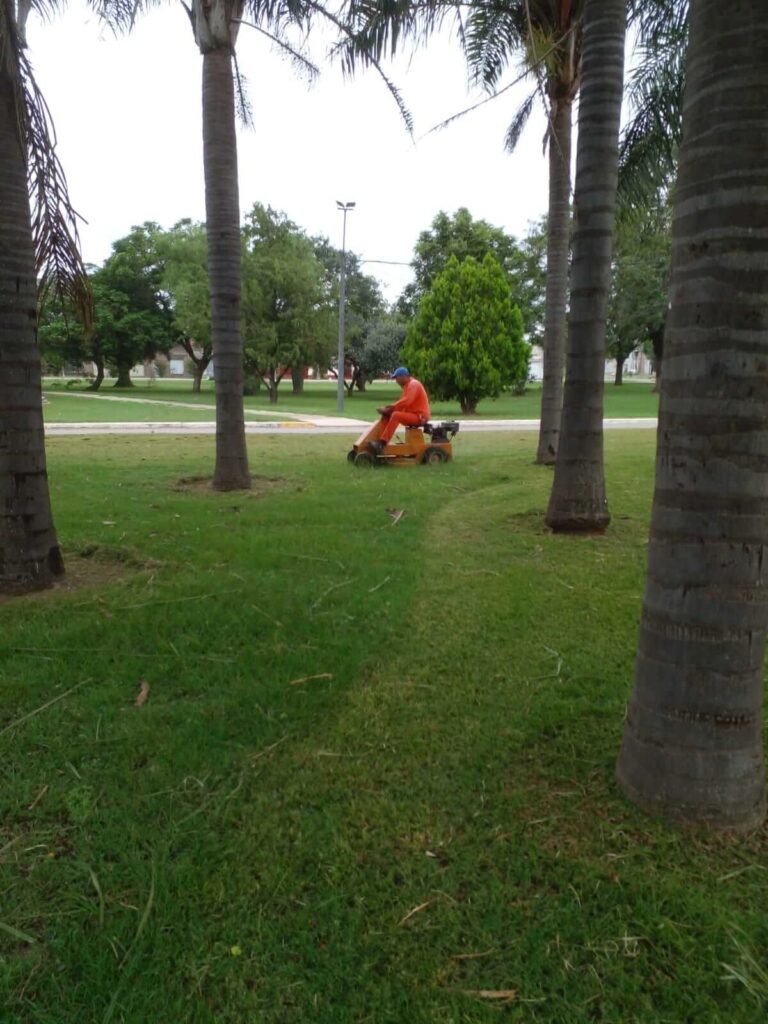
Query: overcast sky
x=127, y=116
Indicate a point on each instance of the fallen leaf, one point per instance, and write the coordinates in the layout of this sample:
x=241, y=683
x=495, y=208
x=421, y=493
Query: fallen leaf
x=143, y=696
x=507, y=994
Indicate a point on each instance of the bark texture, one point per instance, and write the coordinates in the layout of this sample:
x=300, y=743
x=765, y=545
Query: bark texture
x=578, y=501
x=558, y=257
x=29, y=553
x=222, y=208
x=692, y=748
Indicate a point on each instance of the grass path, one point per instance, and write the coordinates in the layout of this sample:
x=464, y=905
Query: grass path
x=167, y=403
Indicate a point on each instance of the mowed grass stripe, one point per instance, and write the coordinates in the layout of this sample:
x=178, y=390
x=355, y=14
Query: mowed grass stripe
x=430, y=815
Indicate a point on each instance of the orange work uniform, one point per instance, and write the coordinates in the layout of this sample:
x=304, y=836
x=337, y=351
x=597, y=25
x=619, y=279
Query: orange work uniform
x=411, y=410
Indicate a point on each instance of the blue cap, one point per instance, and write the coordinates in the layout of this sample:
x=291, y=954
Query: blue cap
x=401, y=371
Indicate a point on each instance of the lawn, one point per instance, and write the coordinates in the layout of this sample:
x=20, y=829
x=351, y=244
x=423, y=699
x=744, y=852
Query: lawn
x=373, y=778
x=634, y=399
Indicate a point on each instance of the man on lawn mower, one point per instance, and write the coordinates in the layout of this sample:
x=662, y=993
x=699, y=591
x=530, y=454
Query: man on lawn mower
x=412, y=410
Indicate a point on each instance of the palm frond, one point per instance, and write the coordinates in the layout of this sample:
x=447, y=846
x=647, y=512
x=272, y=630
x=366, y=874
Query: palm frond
x=656, y=19
x=54, y=220
x=355, y=47
x=476, y=106
x=243, y=104
x=649, y=143
x=374, y=31
x=301, y=62
x=492, y=37
x=121, y=15
x=519, y=121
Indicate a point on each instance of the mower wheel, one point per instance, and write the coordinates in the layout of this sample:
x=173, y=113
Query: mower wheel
x=365, y=460
x=434, y=456
x=351, y=455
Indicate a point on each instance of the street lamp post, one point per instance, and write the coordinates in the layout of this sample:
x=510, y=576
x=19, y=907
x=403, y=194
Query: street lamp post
x=345, y=208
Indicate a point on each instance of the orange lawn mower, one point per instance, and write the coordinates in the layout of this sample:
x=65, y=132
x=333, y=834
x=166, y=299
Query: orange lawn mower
x=415, y=450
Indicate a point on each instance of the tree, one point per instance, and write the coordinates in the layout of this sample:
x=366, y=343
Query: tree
x=378, y=352
x=283, y=295
x=692, y=747
x=578, y=501
x=215, y=26
x=363, y=305
x=639, y=298
x=548, y=36
x=461, y=236
x=133, y=319
x=184, y=253
x=30, y=557
x=466, y=341
x=654, y=95
x=61, y=337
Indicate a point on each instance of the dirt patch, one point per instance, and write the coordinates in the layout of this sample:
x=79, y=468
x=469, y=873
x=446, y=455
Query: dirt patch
x=96, y=565
x=260, y=485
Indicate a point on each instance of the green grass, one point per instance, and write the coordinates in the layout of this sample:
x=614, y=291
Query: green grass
x=634, y=399
x=71, y=408
x=431, y=817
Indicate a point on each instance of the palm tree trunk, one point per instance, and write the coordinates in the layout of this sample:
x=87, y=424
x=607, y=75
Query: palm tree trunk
x=558, y=252
x=222, y=208
x=29, y=553
x=578, y=501
x=692, y=748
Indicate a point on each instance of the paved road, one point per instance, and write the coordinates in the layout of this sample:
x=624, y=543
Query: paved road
x=305, y=425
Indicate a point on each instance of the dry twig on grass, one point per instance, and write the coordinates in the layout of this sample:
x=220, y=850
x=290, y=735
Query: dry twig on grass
x=309, y=679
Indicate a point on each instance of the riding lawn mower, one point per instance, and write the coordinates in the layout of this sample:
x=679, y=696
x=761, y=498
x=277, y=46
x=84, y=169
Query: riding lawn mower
x=416, y=450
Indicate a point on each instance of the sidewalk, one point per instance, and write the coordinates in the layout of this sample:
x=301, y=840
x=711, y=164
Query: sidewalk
x=306, y=425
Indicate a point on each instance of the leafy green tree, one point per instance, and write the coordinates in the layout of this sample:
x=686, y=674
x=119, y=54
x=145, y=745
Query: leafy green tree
x=133, y=319
x=461, y=236
x=283, y=297
x=61, y=337
x=466, y=341
x=532, y=280
x=639, y=299
x=364, y=305
x=184, y=253
x=378, y=352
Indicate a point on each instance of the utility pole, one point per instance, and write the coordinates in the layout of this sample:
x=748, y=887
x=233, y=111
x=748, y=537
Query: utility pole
x=345, y=208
